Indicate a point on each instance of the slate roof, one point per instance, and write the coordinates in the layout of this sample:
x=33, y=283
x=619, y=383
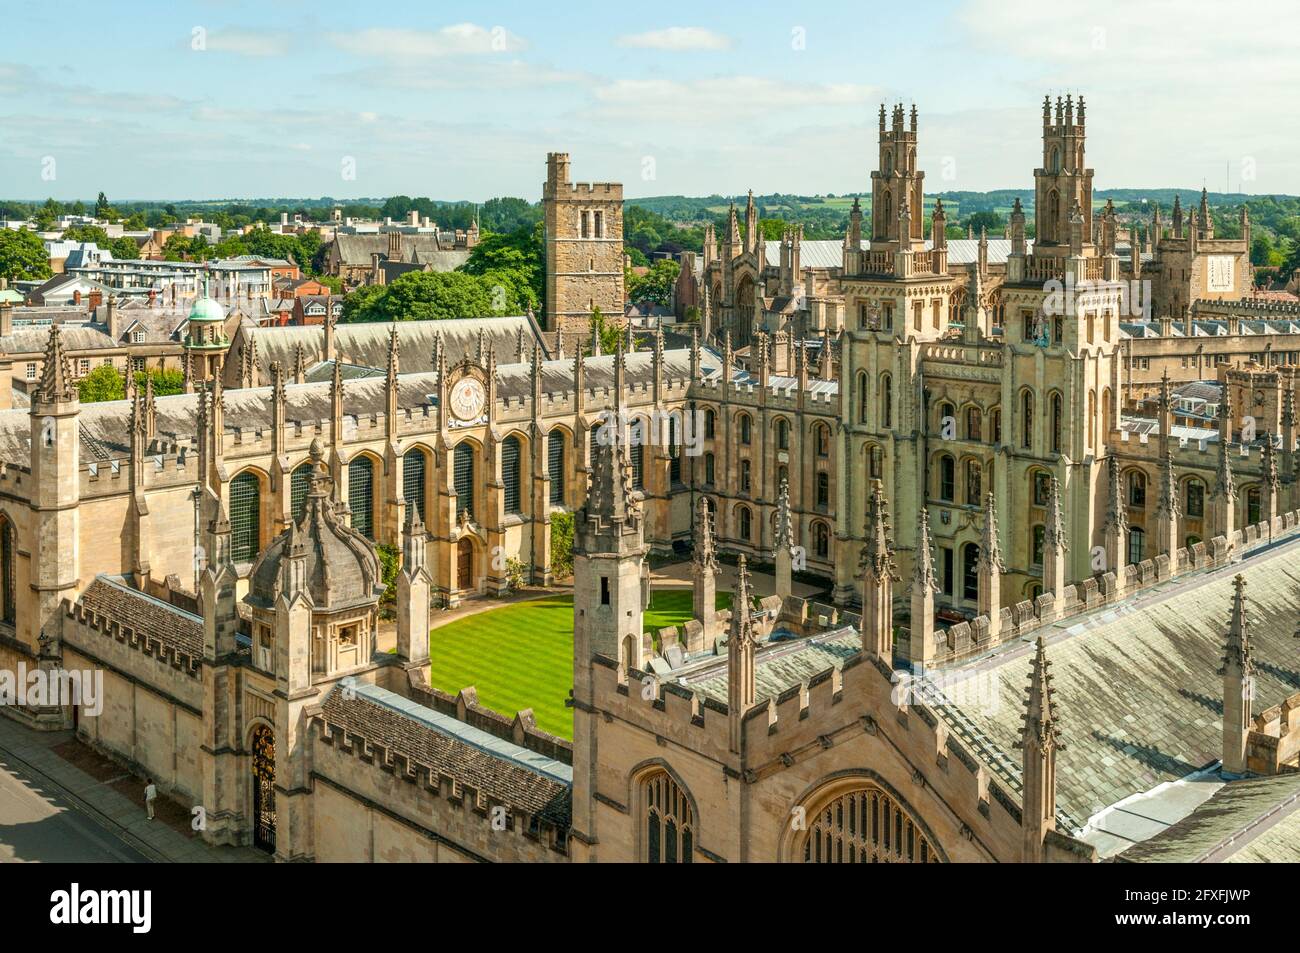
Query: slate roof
x=829, y=252
x=366, y=344
x=355, y=250
x=1236, y=821
x=1138, y=696
x=129, y=607
x=32, y=340
x=521, y=779
x=779, y=665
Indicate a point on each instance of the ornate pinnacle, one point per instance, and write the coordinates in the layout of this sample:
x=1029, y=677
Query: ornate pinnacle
x=1270, y=463
x=1168, y=503
x=878, y=554
x=1116, y=508
x=1054, y=534
x=923, y=563
x=705, y=557
x=784, y=524
x=741, y=623
x=56, y=380
x=1040, y=716
x=990, y=551
x=1237, y=656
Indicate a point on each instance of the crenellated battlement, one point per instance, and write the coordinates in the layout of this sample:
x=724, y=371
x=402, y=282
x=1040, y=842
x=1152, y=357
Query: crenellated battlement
x=145, y=643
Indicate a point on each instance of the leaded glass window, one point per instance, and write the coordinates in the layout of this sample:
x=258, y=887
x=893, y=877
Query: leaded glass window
x=510, y=473
x=361, y=475
x=245, y=517
x=669, y=822
x=413, y=480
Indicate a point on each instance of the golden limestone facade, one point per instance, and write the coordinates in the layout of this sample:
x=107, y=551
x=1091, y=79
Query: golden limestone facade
x=584, y=248
x=954, y=439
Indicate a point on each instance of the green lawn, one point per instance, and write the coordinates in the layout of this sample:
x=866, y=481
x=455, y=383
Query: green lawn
x=521, y=656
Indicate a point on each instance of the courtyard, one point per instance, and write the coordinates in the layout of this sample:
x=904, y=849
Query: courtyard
x=521, y=655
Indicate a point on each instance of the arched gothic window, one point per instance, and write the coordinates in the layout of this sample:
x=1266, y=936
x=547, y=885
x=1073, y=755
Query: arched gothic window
x=669, y=821
x=413, y=480
x=245, y=517
x=864, y=825
x=299, y=484
x=361, y=495
x=463, y=478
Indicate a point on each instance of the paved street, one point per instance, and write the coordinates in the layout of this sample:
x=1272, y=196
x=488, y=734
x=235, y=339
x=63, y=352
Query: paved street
x=62, y=801
x=39, y=824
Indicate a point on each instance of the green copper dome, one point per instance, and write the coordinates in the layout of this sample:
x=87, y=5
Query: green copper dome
x=205, y=309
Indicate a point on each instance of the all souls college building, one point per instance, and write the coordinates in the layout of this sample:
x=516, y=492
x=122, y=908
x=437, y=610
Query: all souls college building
x=1057, y=530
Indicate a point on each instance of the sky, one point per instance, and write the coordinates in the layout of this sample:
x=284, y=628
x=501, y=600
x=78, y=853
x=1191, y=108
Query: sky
x=235, y=99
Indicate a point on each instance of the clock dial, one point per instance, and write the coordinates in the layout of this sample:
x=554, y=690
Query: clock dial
x=467, y=399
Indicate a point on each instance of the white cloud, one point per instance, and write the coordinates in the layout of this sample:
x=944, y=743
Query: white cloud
x=461, y=39
x=731, y=97
x=677, y=38
x=472, y=74
x=247, y=43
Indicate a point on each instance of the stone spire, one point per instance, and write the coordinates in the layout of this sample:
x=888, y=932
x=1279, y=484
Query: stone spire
x=413, y=585
x=1238, y=673
x=1288, y=434
x=299, y=365
x=1167, y=511
x=394, y=353
x=1270, y=483
x=704, y=563
x=1224, y=495
x=609, y=497
x=924, y=587
x=1054, y=547
x=878, y=569
x=742, y=640
x=990, y=568
x=783, y=541
x=1116, y=526
x=56, y=385
x=1040, y=741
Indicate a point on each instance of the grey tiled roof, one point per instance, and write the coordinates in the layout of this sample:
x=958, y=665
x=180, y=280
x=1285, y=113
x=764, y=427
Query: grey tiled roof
x=366, y=344
x=1138, y=696
x=516, y=777
x=131, y=608
x=1231, y=813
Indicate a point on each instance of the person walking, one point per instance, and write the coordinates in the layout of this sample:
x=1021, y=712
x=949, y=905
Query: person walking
x=150, y=794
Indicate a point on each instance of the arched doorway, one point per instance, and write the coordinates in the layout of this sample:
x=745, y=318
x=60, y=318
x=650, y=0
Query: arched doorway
x=464, y=563
x=263, y=748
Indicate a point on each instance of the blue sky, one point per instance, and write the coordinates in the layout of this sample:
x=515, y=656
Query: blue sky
x=226, y=98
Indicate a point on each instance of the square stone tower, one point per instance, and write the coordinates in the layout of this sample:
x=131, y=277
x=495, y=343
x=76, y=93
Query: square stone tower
x=584, y=248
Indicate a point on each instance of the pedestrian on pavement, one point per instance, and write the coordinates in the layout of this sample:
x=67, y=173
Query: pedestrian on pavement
x=150, y=793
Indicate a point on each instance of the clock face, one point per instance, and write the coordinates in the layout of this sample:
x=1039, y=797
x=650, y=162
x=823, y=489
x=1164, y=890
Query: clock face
x=467, y=399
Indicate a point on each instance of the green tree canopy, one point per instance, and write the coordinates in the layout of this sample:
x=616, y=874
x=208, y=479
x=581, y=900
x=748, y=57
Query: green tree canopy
x=656, y=285
x=516, y=260
x=103, y=383
x=22, y=255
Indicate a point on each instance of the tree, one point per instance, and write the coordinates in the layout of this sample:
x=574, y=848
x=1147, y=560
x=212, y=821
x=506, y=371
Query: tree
x=508, y=215
x=176, y=248
x=429, y=296
x=608, y=333
x=165, y=382
x=561, y=544
x=103, y=383
x=991, y=221
x=656, y=285
x=515, y=259
x=22, y=255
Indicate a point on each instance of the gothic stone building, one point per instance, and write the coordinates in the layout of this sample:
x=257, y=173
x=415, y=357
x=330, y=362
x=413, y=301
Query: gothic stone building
x=974, y=431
